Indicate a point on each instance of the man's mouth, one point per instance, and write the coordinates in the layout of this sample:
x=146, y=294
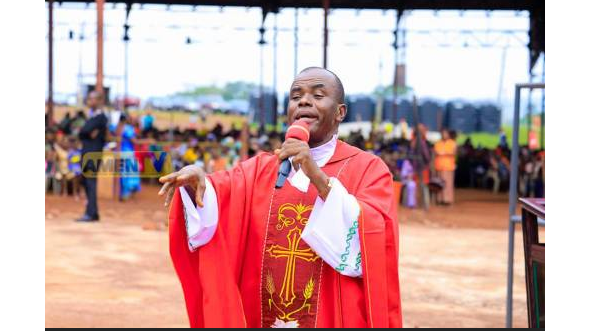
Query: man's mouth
x=307, y=117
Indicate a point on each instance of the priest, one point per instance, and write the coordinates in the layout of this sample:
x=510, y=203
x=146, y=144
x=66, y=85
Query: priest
x=319, y=251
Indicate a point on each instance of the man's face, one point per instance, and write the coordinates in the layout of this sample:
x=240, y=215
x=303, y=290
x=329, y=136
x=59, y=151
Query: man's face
x=94, y=100
x=313, y=98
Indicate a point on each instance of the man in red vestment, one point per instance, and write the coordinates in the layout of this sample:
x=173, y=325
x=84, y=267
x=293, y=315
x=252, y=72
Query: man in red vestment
x=322, y=251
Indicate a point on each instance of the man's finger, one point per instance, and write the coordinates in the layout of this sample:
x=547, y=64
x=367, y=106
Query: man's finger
x=289, y=151
x=164, y=188
x=200, y=192
x=185, y=179
x=200, y=196
x=168, y=178
x=170, y=195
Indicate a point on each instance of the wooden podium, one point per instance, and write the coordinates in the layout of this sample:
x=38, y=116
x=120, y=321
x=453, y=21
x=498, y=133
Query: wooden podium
x=107, y=186
x=535, y=257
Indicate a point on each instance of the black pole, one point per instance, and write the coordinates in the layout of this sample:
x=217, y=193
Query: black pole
x=262, y=42
x=275, y=82
x=543, y=114
x=50, y=97
x=296, y=41
x=126, y=44
x=398, y=17
x=325, y=32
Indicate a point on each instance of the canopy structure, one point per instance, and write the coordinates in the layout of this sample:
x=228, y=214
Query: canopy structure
x=536, y=8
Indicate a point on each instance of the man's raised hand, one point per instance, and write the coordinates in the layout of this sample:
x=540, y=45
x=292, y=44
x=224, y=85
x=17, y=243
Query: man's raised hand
x=191, y=175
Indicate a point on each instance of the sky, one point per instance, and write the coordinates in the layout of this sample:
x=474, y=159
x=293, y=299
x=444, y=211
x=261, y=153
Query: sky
x=225, y=48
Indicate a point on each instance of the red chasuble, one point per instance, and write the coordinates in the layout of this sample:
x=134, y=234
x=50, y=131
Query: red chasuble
x=257, y=272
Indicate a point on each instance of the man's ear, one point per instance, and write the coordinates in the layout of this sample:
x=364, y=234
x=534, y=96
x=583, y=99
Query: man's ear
x=341, y=115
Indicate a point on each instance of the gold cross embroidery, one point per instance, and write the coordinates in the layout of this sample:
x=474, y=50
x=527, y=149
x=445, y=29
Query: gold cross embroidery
x=291, y=253
x=287, y=221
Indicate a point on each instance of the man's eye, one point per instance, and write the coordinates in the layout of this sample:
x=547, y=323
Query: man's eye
x=318, y=96
x=295, y=97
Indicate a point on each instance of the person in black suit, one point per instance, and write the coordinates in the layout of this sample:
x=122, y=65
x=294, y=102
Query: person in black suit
x=93, y=136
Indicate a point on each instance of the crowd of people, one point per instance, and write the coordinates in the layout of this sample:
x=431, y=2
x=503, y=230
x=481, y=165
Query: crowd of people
x=429, y=172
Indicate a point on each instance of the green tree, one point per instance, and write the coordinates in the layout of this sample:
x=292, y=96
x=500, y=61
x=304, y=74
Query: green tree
x=238, y=90
x=231, y=90
x=387, y=90
x=203, y=90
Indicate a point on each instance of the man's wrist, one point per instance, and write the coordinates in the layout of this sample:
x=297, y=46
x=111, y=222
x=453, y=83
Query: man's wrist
x=322, y=183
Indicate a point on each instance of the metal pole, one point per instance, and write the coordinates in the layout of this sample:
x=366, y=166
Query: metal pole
x=296, y=41
x=275, y=78
x=99, y=83
x=325, y=33
x=543, y=114
x=399, y=13
x=530, y=107
x=80, y=96
x=125, y=76
x=262, y=118
x=501, y=78
x=126, y=65
x=513, y=205
x=513, y=196
x=50, y=98
x=262, y=42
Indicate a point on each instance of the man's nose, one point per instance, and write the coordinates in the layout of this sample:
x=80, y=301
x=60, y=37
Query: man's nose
x=305, y=101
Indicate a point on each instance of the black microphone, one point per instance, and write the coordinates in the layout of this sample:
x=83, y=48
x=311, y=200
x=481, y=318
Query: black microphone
x=298, y=130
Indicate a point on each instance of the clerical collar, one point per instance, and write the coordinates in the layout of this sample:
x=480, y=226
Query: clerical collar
x=323, y=153
x=95, y=112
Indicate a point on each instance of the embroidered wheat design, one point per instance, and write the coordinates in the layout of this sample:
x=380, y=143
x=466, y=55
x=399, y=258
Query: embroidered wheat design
x=308, y=293
x=270, y=283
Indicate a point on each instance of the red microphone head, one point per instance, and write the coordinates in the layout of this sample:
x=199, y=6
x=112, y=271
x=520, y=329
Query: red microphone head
x=298, y=130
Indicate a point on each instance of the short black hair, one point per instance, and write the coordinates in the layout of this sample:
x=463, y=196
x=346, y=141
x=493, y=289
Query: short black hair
x=341, y=94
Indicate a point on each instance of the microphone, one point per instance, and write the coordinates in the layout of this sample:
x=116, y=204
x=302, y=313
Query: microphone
x=298, y=130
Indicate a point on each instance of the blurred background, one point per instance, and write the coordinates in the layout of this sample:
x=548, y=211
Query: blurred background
x=431, y=89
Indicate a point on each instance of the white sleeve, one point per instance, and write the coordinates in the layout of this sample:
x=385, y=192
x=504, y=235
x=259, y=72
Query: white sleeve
x=332, y=230
x=200, y=223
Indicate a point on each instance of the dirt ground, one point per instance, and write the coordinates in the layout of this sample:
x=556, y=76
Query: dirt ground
x=117, y=273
